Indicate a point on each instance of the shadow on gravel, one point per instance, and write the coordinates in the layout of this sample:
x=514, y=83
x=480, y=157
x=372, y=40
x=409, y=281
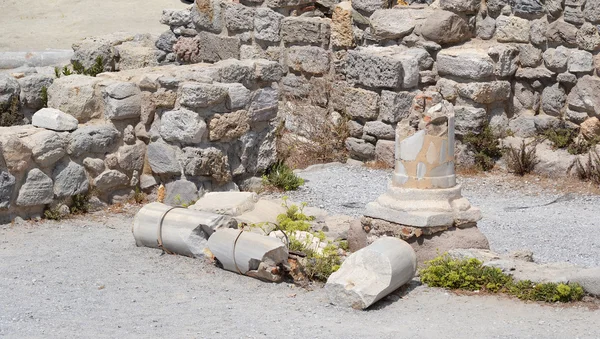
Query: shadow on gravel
x=395, y=296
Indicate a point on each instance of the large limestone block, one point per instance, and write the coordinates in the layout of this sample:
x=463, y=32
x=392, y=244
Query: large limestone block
x=485, y=92
x=342, y=29
x=207, y=15
x=54, y=119
x=181, y=192
x=198, y=95
x=468, y=63
x=560, y=33
x=396, y=23
x=238, y=17
x=37, y=189
x=580, y=62
x=74, y=95
x=591, y=11
x=306, y=30
x=506, y=58
x=109, y=180
x=360, y=149
x=372, y=273
x=206, y=161
x=512, y=29
x=383, y=67
x=309, y=59
x=467, y=6
x=369, y=6
x=226, y=203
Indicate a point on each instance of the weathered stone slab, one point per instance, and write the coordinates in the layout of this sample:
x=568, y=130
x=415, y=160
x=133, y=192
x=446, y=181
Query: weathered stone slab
x=267, y=24
x=122, y=100
x=69, y=179
x=75, y=96
x=306, y=30
x=465, y=63
x=162, y=159
x=47, y=147
x=383, y=67
x=37, y=189
x=198, y=95
x=182, y=126
x=92, y=139
x=445, y=27
x=309, y=59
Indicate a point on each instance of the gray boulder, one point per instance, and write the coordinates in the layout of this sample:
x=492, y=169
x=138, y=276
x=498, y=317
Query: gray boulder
x=54, y=119
x=69, y=179
x=131, y=157
x=239, y=18
x=37, y=189
x=380, y=130
x=591, y=11
x=93, y=139
x=383, y=67
x=588, y=37
x=31, y=89
x=110, y=179
x=181, y=192
x=523, y=126
x=369, y=6
x=7, y=185
x=183, y=126
x=166, y=41
x=560, y=33
x=395, y=23
x=9, y=88
x=573, y=15
x=309, y=59
x=529, y=56
x=528, y=8
x=394, y=106
x=469, y=119
x=506, y=58
x=485, y=92
x=208, y=161
x=360, y=149
x=174, y=17
x=267, y=24
x=537, y=31
x=585, y=96
x=445, y=27
x=122, y=100
x=207, y=15
x=305, y=30
x=485, y=27
x=162, y=159
x=555, y=59
x=553, y=100
x=264, y=104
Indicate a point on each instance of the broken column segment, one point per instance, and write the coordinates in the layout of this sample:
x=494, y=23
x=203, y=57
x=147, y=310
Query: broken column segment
x=423, y=197
x=177, y=230
x=372, y=273
x=249, y=253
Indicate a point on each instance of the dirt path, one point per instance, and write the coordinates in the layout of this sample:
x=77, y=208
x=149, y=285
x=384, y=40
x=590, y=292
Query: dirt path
x=57, y=24
x=85, y=278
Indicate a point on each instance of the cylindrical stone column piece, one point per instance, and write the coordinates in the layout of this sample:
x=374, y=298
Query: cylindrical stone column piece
x=425, y=157
x=179, y=230
x=372, y=273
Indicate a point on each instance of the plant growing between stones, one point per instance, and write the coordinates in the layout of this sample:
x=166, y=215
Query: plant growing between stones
x=10, y=115
x=471, y=275
x=78, y=68
x=281, y=176
x=590, y=171
x=80, y=203
x=185, y=204
x=44, y=96
x=486, y=147
x=521, y=160
x=560, y=137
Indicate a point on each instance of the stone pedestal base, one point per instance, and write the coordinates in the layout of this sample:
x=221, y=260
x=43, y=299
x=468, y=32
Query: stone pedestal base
x=428, y=242
x=423, y=208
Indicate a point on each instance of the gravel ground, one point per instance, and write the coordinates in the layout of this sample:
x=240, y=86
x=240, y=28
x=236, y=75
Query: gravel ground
x=563, y=231
x=84, y=277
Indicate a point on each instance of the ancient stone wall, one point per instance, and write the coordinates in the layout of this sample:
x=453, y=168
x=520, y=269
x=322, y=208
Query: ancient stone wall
x=194, y=128
x=523, y=66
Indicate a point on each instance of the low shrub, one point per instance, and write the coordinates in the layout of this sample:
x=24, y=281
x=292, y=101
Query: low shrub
x=590, y=171
x=53, y=214
x=560, y=137
x=521, y=160
x=281, y=176
x=44, y=96
x=80, y=203
x=78, y=68
x=486, y=147
x=471, y=275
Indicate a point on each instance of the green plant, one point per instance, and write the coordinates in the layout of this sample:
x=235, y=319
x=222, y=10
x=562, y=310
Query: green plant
x=294, y=218
x=486, y=147
x=44, y=96
x=471, y=275
x=138, y=197
x=560, y=137
x=53, y=214
x=521, y=160
x=281, y=176
x=78, y=68
x=590, y=171
x=321, y=266
x=80, y=203
x=179, y=202
x=10, y=115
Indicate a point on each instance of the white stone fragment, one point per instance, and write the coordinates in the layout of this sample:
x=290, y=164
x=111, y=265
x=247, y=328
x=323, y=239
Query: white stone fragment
x=372, y=273
x=54, y=119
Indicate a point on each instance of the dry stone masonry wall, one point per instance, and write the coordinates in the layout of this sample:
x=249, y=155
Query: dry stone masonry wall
x=519, y=65
x=194, y=128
